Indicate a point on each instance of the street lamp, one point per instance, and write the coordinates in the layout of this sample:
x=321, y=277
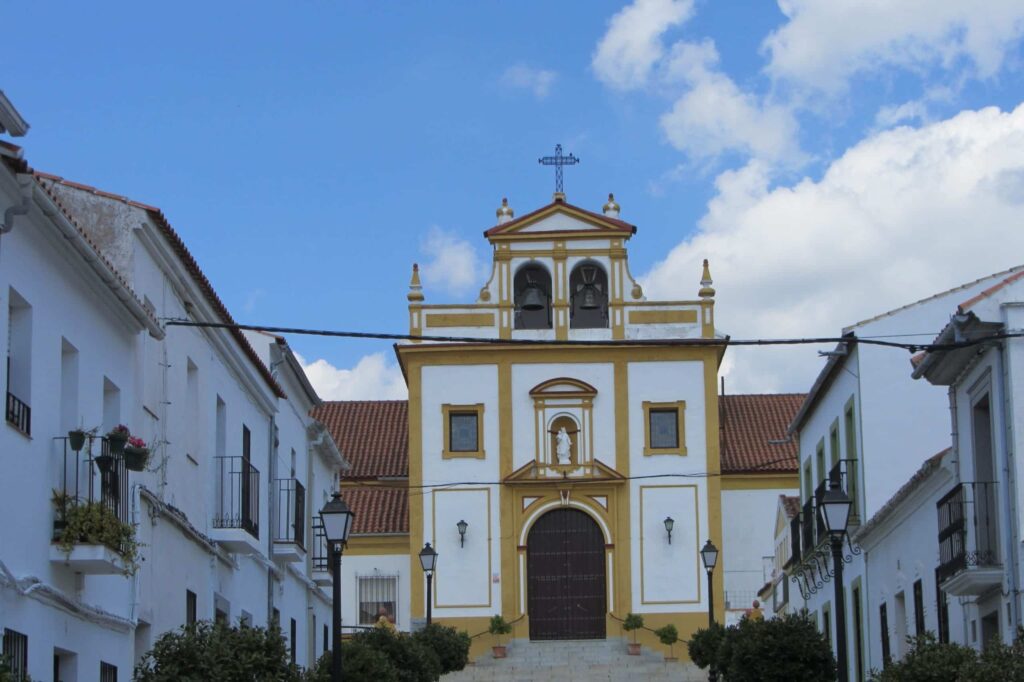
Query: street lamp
x=428, y=560
x=669, y=524
x=835, y=513
x=337, y=520
x=709, y=555
x=462, y=526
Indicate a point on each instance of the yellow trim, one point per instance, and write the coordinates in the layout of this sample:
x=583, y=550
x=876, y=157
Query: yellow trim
x=460, y=320
x=696, y=558
x=514, y=230
x=368, y=545
x=621, y=503
x=433, y=526
x=680, y=407
x=509, y=557
x=446, y=412
x=660, y=317
x=417, y=605
x=714, y=482
x=765, y=481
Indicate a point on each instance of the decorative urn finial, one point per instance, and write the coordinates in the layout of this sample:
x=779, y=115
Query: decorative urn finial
x=706, y=290
x=611, y=209
x=415, y=294
x=505, y=212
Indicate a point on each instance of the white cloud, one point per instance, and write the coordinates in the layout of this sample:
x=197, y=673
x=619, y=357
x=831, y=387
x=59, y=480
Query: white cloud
x=903, y=214
x=453, y=264
x=714, y=116
x=825, y=42
x=890, y=115
x=632, y=45
x=522, y=77
x=373, y=378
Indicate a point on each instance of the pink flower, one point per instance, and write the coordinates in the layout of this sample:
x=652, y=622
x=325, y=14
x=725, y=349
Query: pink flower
x=120, y=429
x=136, y=442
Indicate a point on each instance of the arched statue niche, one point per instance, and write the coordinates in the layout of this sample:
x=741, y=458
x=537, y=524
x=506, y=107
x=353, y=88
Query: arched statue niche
x=565, y=440
x=532, y=287
x=588, y=286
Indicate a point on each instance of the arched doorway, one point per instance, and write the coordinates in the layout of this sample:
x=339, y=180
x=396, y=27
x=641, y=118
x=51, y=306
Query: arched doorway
x=567, y=592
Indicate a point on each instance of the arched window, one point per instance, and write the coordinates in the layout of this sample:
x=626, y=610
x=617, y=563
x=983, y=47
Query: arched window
x=588, y=287
x=532, y=287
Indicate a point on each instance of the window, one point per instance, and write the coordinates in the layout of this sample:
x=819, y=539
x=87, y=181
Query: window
x=69, y=416
x=833, y=443
x=918, y=608
x=108, y=672
x=900, y=624
x=850, y=430
x=221, y=610
x=16, y=651
x=378, y=596
x=111, y=404
x=532, y=287
x=883, y=630
x=826, y=622
x=327, y=638
x=808, y=481
x=588, y=297
x=191, y=411
x=190, y=608
x=463, y=431
x=858, y=634
x=292, y=631
x=663, y=428
x=19, y=363
x=275, y=617
x=820, y=461
x=943, y=611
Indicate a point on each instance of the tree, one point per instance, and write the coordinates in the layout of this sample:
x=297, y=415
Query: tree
x=668, y=636
x=360, y=663
x=703, y=647
x=213, y=651
x=450, y=645
x=633, y=622
x=413, y=661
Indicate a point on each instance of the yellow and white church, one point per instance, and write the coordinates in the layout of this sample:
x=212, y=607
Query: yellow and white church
x=564, y=449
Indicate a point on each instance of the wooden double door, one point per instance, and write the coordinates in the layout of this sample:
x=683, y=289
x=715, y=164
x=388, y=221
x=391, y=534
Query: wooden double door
x=566, y=577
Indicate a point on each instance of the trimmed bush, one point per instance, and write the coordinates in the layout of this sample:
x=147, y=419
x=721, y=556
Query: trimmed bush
x=359, y=663
x=633, y=622
x=412, y=661
x=450, y=645
x=668, y=636
x=212, y=651
x=704, y=646
x=784, y=648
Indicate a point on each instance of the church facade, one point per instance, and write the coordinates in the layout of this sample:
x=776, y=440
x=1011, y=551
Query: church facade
x=563, y=484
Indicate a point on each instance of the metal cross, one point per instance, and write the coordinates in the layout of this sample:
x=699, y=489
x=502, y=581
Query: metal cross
x=558, y=161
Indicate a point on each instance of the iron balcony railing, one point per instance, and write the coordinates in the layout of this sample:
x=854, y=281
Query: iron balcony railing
x=807, y=527
x=812, y=525
x=19, y=414
x=321, y=555
x=794, y=541
x=92, y=474
x=238, y=487
x=968, y=532
x=291, y=512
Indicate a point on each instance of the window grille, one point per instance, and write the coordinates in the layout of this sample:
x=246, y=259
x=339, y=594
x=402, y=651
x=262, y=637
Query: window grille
x=16, y=652
x=378, y=595
x=108, y=672
x=918, y=608
x=190, y=607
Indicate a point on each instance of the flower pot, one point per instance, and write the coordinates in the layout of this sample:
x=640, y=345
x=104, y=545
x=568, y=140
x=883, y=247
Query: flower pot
x=135, y=459
x=76, y=439
x=104, y=463
x=633, y=648
x=117, y=439
x=499, y=651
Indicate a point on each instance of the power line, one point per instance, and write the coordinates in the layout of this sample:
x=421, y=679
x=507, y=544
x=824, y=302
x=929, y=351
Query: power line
x=725, y=341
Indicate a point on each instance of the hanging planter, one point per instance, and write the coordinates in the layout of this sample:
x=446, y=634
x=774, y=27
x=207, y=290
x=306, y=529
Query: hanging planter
x=104, y=463
x=76, y=439
x=136, y=454
x=117, y=437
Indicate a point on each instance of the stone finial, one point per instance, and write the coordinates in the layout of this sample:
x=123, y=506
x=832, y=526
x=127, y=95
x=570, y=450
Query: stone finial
x=505, y=212
x=611, y=209
x=706, y=290
x=415, y=294
x=637, y=291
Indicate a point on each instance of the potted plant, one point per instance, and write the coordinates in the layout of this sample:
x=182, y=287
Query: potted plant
x=76, y=439
x=61, y=500
x=136, y=454
x=94, y=523
x=668, y=636
x=633, y=622
x=117, y=437
x=498, y=627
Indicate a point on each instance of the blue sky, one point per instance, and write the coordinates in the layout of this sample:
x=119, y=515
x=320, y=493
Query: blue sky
x=308, y=153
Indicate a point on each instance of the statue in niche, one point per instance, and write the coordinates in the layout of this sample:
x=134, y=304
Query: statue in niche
x=563, y=448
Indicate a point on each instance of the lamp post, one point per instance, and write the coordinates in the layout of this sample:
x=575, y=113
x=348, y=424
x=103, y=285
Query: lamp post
x=428, y=560
x=337, y=521
x=835, y=512
x=709, y=555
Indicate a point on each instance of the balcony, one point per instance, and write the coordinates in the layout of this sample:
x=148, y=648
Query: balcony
x=807, y=528
x=794, y=542
x=290, y=533
x=321, y=556
x=90, y=477
x=969, y=562
x=19, y=414
x=236, y=520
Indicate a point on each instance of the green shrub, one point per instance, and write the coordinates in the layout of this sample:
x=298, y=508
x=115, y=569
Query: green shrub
x=633, y=622
x=928, y=659
x=498, y=627
x=703, y=647
x=785, y=648
x=359, y=663
x=1001, y=662
x=450, y=645
x=668, y=636
x=96, y=524
x=212, y=651
x=413, y=661
x=5, y=672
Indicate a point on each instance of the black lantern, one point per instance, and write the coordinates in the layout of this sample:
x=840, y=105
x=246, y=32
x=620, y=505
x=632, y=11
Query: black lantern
x=337, y=519
x=462, y=526
x=835, y=510
x=428, y=560
x=669, y=523
x=835, y=514
x=709, y=555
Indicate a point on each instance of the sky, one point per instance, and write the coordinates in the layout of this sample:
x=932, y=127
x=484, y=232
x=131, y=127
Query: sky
x=833, y=159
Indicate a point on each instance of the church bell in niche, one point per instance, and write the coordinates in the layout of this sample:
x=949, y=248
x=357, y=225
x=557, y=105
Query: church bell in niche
x=533, y=297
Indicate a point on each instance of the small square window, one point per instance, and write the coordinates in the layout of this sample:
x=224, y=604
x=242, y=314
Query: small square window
x=463, y=431
x=663, y=428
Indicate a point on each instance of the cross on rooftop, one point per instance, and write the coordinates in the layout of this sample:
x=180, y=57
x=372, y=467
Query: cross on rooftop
x=558, y=160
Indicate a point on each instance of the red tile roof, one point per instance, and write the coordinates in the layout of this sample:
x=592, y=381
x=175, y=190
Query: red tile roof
x=379, y=510
x=373, y=435
x=971, y=302
x=748, y=423
x=179, y=248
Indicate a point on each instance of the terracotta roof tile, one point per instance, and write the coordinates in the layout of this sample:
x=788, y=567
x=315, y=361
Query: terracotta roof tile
x=371, y=434
x=748, y=422
x=379, y=510
x=971, y=302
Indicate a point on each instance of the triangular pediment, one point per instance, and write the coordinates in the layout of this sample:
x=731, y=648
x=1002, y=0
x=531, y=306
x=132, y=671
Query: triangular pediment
x=594, y=471
x=560, y=219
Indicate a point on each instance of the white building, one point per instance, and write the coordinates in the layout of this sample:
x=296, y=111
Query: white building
x=236, y=471
x=868, y=425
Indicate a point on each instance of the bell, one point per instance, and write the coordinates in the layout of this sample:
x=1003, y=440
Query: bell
x=589, y=301
x=533, y=298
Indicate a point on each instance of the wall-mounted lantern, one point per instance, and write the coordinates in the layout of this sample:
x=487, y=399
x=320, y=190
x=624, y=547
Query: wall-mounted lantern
x=462, y=525
x=669, y=523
